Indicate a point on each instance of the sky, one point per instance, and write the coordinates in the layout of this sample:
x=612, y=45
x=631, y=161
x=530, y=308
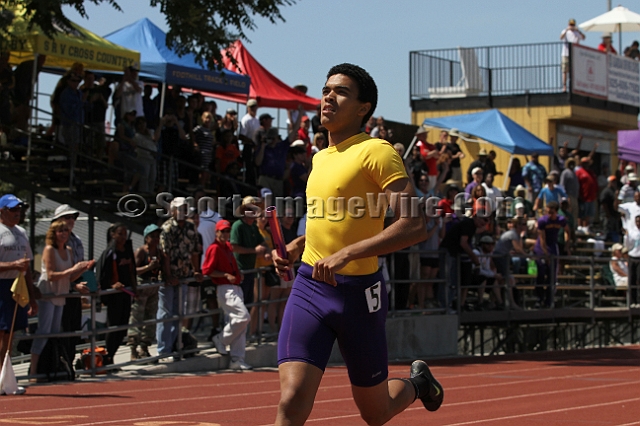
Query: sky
x=378, y=35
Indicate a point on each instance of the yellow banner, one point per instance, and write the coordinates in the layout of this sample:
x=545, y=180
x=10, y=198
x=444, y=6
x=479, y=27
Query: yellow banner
x=67, y=51
x=69, y=45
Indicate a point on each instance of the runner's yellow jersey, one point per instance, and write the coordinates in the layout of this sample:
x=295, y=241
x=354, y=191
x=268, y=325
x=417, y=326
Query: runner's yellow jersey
x=344, y=202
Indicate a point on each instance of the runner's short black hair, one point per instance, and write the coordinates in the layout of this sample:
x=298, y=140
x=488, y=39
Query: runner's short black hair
x=367, y=89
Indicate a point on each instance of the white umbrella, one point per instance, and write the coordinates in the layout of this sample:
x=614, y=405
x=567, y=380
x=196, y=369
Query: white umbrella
x=618, y=19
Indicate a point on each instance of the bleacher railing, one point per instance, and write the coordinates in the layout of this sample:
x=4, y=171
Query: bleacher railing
x=589, y=299
x=504, y=70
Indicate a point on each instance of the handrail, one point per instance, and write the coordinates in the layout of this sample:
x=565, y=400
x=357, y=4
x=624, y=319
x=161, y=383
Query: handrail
x=159, y=156
x=261, y=304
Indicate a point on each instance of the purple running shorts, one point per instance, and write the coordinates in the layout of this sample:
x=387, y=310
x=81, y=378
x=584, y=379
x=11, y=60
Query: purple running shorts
x=354, y=312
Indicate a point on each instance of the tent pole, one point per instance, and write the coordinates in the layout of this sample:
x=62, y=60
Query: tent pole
x=619, y=39
x=238, y=118
x=34, y=76
x=409, y=148
x=163, y=93
x=506, y=176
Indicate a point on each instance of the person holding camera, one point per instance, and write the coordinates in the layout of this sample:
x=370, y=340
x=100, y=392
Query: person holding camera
x=569, y=35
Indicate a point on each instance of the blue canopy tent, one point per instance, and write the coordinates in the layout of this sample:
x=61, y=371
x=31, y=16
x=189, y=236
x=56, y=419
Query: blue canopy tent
x=497, y=129
x=156, y=59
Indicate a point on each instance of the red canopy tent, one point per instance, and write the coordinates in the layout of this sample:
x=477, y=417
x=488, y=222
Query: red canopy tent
x=266, y=88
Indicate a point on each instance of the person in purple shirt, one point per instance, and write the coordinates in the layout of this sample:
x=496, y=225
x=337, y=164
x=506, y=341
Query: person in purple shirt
x=478, y=177
x=546, y=247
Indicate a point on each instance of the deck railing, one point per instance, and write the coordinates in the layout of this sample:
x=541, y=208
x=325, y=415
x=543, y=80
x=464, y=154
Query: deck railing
x=503, y=70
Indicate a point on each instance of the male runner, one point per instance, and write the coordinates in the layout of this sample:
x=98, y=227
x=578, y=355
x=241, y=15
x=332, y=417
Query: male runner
x=338, y=292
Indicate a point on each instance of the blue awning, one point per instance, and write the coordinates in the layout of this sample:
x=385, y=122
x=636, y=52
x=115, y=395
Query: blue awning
x=496, y=128
x=156, y=59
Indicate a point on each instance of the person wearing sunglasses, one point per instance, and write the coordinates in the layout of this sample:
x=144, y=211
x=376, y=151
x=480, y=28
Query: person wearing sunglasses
x=59, y=271
x=15, y=258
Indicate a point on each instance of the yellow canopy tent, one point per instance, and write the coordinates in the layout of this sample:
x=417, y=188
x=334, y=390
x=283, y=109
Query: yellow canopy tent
x=67, y=46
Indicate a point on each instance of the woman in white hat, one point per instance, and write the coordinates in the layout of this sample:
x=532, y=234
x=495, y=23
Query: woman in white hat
x=619, y=266
x=58, y=272
x=70, y=215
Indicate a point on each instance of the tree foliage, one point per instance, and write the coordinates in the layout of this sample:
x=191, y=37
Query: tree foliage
x=201, y=27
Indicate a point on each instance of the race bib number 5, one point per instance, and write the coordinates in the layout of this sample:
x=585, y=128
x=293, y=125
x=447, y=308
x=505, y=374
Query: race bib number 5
x=373, y=295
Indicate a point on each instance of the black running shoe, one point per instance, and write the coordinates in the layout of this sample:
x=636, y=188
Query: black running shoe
x=430, y=391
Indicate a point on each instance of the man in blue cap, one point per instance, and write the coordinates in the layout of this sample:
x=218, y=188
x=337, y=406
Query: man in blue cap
x=15, y=258
x=149, y=262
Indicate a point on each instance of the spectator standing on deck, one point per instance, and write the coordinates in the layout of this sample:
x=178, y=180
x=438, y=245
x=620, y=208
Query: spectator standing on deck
x=632, y=51
x=569, y=35
x=606, y=45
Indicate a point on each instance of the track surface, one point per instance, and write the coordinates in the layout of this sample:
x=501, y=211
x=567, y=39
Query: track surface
x=587, y=387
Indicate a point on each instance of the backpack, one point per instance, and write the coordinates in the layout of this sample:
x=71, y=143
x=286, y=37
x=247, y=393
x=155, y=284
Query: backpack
x=100, y=353
x=55, y=363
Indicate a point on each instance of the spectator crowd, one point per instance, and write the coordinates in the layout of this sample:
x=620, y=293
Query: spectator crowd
x=202, y=259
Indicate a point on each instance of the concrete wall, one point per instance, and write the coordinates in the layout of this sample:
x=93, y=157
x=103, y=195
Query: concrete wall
x=425, y=336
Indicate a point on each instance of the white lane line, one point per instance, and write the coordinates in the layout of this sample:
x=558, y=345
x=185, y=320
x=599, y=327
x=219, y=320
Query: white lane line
x=272, y=407
x=277, y=391
x=541, y=413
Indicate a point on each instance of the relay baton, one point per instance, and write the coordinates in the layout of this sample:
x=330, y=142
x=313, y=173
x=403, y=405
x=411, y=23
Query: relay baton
x=129, y=292
x=278, y=239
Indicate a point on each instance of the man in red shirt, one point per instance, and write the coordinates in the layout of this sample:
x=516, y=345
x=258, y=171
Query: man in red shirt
x=447, y=204
x=221, y=266
x=429, y=155
x=588, y=194
x=606, y=45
